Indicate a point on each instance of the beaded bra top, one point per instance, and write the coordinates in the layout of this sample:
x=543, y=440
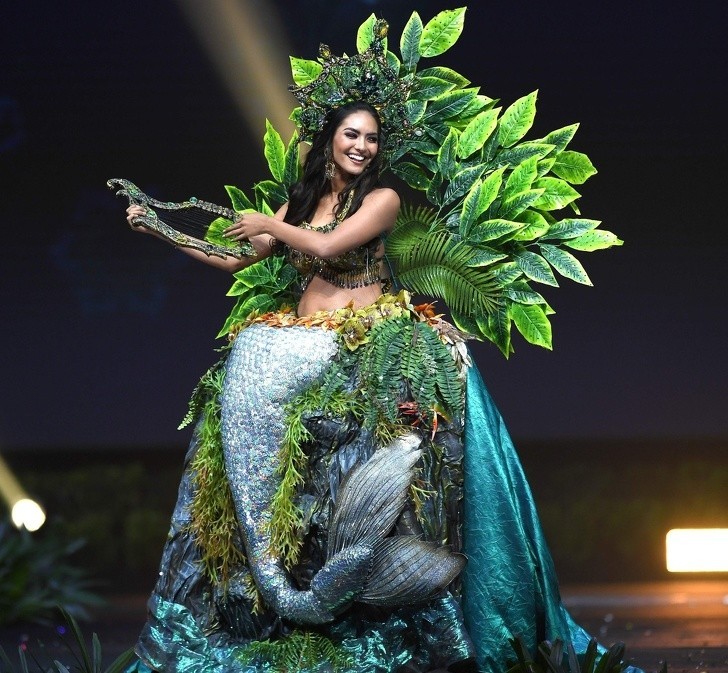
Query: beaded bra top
x=354, y=268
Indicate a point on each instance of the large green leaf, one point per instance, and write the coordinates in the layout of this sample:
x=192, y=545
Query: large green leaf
x=513, y=206
x=513, y=156
x=594, y=240
x=522, y=177
x=532, y=323
x=304, y=71
x=506, y=273
x=492, y=229
x=491, y=187
x=412, y=174
x=479, y=103
x=536, y=226
x=569, y=228
x=275, y=152
x=449, y=104
x=557, y=193
x=462, y=182
x=258, y=303
x=486, y=256
x=393, y=61
x=365, y=34
x=561, y=137
x=544, y=165
x=497, y=328
x=238, y=315
x=434, y=191
x=257, y=274
x=292, y=170
x=437, y=130
x=446, y=157
x=415, y=110
x=535, y=267
x=273, y=192
x=427, y=88
x=409, y=43
x=469, y=211
x=447, y=74
x=565, y=263
x=215, y=231
x=238, y=199
x=521, y=292
x=442, y=32
x=516, y=120
x=574, y=167
x=426, y=161
x=477, y=132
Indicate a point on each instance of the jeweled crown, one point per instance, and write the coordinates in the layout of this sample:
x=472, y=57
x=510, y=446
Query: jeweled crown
x=367, y=77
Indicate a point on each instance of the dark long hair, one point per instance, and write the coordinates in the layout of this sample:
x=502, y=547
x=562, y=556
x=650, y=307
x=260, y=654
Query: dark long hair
x=305, y=195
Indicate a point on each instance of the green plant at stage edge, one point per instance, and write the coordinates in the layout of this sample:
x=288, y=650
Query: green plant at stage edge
x=36, y=577
x=555, y=658
x=86, y=661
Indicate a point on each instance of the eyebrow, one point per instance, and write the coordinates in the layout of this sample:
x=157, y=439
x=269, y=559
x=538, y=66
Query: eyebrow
x=370, y=133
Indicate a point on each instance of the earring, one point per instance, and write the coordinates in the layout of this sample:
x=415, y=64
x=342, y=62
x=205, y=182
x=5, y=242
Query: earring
x=330, y=168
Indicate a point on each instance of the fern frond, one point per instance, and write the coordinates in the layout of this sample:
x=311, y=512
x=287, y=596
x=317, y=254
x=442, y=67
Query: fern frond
x=410, y=228
x=380, y=366
x=298, y=651
x=438, y=266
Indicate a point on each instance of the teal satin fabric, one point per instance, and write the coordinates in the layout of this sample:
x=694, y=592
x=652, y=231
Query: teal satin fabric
x=509, y=583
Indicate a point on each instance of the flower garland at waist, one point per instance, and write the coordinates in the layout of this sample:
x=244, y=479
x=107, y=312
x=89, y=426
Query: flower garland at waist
x=354, y=325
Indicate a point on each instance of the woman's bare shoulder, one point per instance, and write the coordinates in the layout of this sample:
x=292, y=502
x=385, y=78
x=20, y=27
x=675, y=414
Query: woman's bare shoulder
x=383, y=197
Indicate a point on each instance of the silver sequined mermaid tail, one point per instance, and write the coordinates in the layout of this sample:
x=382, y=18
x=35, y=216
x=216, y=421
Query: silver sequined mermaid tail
x=195, y=626
x=266, y=369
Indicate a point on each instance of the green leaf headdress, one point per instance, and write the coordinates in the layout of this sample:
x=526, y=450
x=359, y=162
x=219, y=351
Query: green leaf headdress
x=495, y=225
x=333, y=81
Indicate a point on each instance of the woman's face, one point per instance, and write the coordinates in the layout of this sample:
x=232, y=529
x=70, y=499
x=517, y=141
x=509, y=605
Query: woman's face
x=355, y=143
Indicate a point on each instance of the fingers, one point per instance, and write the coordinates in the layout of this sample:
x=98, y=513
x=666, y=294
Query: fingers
x=134, y=211
x=236, y=231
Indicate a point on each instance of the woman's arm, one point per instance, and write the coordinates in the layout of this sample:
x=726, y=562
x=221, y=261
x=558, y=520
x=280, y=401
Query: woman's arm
x=376, y=215
x=261, y=244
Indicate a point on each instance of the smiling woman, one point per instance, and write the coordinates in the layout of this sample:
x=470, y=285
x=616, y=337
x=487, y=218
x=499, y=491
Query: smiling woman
x=352, y=500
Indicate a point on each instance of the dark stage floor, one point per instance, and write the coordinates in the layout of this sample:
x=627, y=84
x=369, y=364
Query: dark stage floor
x=684, y=623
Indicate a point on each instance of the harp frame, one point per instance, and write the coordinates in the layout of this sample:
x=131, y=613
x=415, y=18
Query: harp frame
x=154, y=221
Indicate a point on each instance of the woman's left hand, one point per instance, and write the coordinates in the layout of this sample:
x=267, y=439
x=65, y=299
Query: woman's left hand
x=249, y=225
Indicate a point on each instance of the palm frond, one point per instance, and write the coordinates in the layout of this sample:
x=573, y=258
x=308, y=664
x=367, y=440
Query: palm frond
x=438, y=266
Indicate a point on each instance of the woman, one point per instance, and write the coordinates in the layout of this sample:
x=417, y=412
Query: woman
x=331, y=232
x=346, y=453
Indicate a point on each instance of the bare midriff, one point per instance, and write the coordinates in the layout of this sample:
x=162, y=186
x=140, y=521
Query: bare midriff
x=320, y=295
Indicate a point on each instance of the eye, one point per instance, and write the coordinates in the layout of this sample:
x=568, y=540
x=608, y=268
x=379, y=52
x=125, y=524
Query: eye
x=373, y=139
x=350, y=134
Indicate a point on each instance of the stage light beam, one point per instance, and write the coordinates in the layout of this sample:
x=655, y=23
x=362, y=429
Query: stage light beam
x=244, y=40
x=697, y=550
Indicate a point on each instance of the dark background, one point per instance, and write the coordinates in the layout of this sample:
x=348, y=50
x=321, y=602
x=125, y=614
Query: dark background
x=105, y=333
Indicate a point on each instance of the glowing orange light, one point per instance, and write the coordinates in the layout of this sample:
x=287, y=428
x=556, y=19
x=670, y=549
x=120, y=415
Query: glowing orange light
x=697, y=550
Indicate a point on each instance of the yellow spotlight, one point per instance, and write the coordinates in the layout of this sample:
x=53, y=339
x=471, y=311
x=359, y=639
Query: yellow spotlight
x=697, y=550
x=244, y=40
x=23, y=511
x=27, y=513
